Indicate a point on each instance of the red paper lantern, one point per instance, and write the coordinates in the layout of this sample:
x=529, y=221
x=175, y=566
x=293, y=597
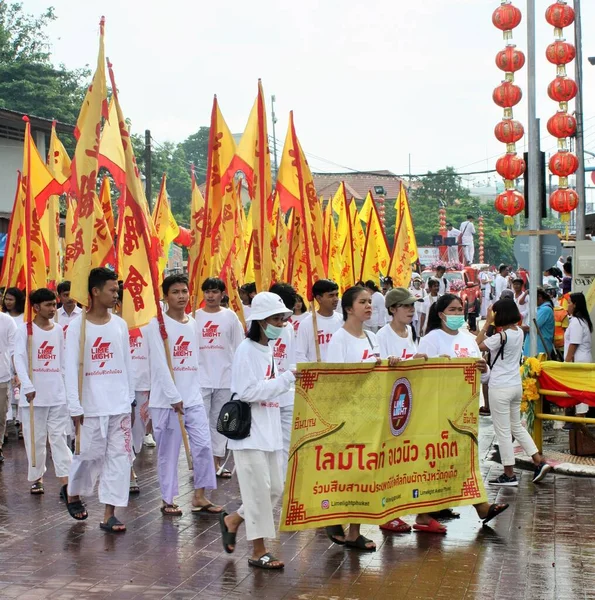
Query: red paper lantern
x=509, y=131
x=510, y=60
x=560, y=53
x=563, y=164
x=564, y=201
x=510, y=166
x=509, y=203
x=507, y=94
x=562, y=89
x=506, y=17
x=562, y=125
x=559, y=15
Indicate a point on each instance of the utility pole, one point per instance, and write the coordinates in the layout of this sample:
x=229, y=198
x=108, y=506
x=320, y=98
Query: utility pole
x=580, y=138
x=274, y=119
x=533, y=179
x=148, y=186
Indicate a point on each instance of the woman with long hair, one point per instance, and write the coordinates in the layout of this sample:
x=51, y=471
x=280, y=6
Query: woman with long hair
x=13, y=304
x=506, y=390
x=577, y=338
x=300, y=312
x=445, y=338
x=352, y=344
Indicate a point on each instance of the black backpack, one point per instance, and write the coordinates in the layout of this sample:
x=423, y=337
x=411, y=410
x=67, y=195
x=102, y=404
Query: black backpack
x=234, y=419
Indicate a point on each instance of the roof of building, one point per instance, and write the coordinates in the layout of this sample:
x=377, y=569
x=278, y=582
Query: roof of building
x=15, y=119
x=358, y=183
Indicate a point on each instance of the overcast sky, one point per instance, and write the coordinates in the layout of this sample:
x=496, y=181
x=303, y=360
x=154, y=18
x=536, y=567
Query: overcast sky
x=369, y=82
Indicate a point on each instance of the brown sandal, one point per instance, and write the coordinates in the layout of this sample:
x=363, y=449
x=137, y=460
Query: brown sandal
x=171, y=510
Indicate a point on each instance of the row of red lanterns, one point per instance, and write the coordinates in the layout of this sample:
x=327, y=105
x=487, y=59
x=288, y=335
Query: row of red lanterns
x=510, y=166
x=481, y=240
x=562, y=125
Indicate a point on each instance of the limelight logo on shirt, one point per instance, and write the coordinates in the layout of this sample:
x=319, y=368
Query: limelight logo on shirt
x=461, y=352
x=182, y=349
x=100, y=352
x=134, y=340
x=45, y=353
x=279, y=350
x=405, y=355
x=210, y=331
x=367, y=354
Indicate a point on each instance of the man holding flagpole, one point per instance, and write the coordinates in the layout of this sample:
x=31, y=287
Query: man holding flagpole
x=102, y=412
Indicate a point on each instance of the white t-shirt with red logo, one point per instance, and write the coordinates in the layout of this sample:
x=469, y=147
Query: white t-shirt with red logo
x=66, y=319
x=48, y=365
x=392, y=344
x=108, y=387
x=346, y=348
x=139, y=355
x=284, y=354
x=183, y=351
x=296, y=320
x=219, y=336
x=438, y=343
x=254, y=380
x=305, y=350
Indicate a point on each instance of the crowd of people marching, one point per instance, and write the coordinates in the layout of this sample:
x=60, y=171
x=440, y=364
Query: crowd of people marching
x=98, y=391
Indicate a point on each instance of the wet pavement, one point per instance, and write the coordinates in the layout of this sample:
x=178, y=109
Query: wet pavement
x=542, y=547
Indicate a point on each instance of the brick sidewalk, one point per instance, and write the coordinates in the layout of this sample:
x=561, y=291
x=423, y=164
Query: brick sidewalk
x=542, y=548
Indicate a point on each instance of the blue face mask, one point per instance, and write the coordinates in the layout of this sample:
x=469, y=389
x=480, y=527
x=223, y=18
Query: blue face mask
x=272, y=332
x=455, y=322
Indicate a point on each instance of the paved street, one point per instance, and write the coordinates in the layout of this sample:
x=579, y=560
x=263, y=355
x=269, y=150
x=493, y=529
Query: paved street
x=543, y=547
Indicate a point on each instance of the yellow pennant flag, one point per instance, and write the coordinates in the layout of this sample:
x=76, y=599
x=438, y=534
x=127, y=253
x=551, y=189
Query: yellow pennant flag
x=332, y=253
x=58, y=164
x=103, y=252
x=85, y=169
x=111, y=151
x=70, y=238
x=404, y=246
x=165, y=225
x=295, y=186
x=197, y=225
x=376, y=257
x=296, y=270
x=358, y=236
x=140, y=250
x=105, y=198
x=253, y=158
x=345, y=243
x=14, y=252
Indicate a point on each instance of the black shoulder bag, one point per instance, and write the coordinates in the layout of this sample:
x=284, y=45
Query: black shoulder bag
x=500, y=352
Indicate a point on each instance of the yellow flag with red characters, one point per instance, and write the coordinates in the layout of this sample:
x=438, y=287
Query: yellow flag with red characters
x=295, y=186
x=105, y=199
x=404, y=247
x=103, y=252
x=85, y=169
x=140, y=250
x=376, y=257
x=253, y=158
x=331, y=249
x=197, y=228
x=111, y=151
x=58, y=164
x=14, y=251
x=166, y=228
x=359, y=237
x=70, y=237
x=344, y=240
x=296, y=269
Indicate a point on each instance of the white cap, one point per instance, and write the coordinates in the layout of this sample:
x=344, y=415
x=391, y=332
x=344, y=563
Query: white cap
x=267, y=304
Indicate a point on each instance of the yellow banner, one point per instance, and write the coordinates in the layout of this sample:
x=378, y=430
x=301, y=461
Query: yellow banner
x=372, y=443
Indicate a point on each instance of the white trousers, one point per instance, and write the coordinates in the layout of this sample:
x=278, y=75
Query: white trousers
x=213, y=400
x=286, y=428
x=505, y=406
x=106, y=455
x=259, y=476
x=453, y=254
x=469, y=252
x=141, y=418
x=51, y=423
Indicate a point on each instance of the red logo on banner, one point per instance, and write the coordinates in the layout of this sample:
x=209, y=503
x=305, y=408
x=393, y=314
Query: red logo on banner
x=400, y=406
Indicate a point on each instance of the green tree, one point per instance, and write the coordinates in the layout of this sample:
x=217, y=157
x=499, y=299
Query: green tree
x=196, y=151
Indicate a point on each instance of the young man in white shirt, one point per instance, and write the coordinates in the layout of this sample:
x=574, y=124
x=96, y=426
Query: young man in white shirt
x=44, y=390
x=433, y=295
x=219, y=334
x=8, y=331
x=247, y=292
x=179, y=395
x=326, y=293
x=467, y=233
x=502, y=281
x=439, y=276
x=102, y=412
x=69, y=310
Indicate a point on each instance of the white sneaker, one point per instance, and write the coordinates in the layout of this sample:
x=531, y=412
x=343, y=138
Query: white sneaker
x=149, y=442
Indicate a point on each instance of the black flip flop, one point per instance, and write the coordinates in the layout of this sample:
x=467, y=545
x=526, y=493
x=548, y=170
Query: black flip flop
x=332, y=532
x=360, y=544
x=77, y=508
x=227, y=537
x=64, y=492
x=206, y=509
x=264, y=562
x=446, y=513
x=134, y=489
x=494, y=511
x=37, y=489
x=111, y=523
x=223, y=473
